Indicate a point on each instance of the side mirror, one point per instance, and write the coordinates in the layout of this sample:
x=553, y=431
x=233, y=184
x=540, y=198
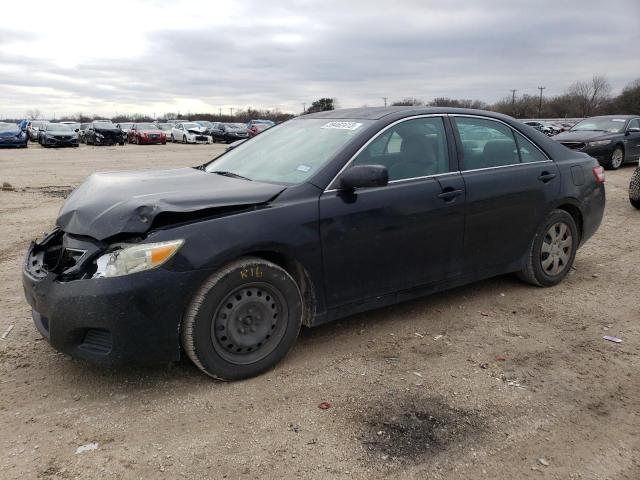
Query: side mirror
x=633, y=130
x=364, y=176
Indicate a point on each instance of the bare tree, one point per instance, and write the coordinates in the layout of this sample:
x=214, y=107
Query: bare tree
x=408, y=102
x=33, y=114
x=590, y=96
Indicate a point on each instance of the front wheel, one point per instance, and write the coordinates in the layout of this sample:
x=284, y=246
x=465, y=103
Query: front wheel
x=552, y=250
x=243, y=321
x=634, y=189
x=184, y=139
x=616, y=160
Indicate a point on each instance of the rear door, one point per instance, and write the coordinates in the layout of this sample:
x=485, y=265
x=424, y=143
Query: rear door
x=377, y=241
x=509, y=183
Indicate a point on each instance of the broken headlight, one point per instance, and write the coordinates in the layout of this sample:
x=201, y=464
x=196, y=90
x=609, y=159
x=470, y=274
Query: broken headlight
x=135, y=258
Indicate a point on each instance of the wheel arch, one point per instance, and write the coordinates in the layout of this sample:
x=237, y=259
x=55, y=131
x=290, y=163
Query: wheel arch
x=572, y=208
x=299, y=274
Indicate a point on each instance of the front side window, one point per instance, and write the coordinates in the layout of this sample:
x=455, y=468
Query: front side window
x=635, y=123
x=486, y=143
x=291, y=152
x=410, y=149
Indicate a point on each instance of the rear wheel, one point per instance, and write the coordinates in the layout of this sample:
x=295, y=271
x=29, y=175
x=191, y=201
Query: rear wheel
x=243, y=321
x=552, y=250
x=634, y=189
x=616, y=159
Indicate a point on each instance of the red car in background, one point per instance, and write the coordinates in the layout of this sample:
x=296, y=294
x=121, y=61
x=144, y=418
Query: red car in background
x=256, y=128
x=146, y=133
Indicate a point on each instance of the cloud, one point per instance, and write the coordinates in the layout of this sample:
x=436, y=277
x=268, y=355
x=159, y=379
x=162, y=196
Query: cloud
x=158, y=56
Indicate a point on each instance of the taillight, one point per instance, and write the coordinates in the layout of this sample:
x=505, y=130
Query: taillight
x=598, y=172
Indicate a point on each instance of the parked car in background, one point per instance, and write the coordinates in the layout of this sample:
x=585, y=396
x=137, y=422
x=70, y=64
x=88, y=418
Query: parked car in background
x=103, y=132
x=253, y=122
x=190, y=132
x=228, y=132
x=541, y=127
x=23, y=125
x=146, y=133
x=205, y=123
x=326, y=215
x=257, y=128
x=57, y=135
x=75, y=126
x=634, y=188
x=83, y=127
x=165, y=128
x=125, y=127
x=33, y=127
x=11, y=135
x=613, y=139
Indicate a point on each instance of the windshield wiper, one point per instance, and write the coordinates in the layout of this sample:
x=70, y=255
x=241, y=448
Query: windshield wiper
x=230, y=174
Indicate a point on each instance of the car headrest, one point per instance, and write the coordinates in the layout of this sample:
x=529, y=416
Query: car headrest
x=500, y=152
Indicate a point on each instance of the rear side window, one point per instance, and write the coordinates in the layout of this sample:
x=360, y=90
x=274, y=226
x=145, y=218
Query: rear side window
x=410, y=149
x=528, y=151
x=486, y=143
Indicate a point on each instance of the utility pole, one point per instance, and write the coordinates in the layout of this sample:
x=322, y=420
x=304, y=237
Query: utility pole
x=385, y=101
x=540, y=104
x=231, y=110
x=513, y=96
x=304, y=108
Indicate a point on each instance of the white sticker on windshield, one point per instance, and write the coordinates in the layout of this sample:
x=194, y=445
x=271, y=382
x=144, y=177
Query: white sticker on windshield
x=618, y=120
x=303, y=168
x=342, y=125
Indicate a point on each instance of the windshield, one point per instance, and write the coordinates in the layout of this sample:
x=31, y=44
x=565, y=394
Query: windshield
x=165, y=126
x=58, y=127
x=191, y=125
x=126, y=125
x=106, y=125
x=291, y=152
x=146, y=126
x=612, y=125
x=236, y=126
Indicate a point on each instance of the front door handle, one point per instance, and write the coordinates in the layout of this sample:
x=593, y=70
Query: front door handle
x=546, y=177
x=449, y=195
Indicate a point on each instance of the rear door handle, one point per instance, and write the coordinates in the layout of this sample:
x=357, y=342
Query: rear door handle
x=449, y=195
x=546, y=177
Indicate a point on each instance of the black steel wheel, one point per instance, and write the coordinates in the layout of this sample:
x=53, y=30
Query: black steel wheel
x=243, y=321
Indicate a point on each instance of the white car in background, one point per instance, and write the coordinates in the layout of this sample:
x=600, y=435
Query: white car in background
x=190, y=132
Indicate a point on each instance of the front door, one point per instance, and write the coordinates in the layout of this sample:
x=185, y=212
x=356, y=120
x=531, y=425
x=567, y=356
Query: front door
x=377, y=241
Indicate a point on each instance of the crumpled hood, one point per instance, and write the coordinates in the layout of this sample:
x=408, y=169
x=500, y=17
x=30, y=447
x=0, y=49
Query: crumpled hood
x=582, y=136
x=107, y=204
x=197, y=130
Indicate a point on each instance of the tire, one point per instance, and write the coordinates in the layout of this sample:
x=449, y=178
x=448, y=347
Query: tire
x=559, y=238
x=634, y=189
x=227, y=347
x=173, y=140
x=616, y=159
x=184, y=139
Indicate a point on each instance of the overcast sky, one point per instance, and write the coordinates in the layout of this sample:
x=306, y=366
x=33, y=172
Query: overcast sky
x=161, y=56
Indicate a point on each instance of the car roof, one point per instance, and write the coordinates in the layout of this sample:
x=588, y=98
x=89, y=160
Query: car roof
x=376, y=113
x=626, y=117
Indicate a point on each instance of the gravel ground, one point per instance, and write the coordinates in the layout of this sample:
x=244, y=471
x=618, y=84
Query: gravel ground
x=496, y=380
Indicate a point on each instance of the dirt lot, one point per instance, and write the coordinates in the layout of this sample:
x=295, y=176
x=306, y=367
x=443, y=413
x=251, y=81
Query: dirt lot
x=496, y=380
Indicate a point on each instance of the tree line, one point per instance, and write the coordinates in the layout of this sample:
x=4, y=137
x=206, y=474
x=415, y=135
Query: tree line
x=580, y=99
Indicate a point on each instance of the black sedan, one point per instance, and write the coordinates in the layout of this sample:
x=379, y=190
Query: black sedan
x=228, y=132
x=315, y=219
x=104, y=133
x=614, y=139
x=11, y=135
x=57, y=135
